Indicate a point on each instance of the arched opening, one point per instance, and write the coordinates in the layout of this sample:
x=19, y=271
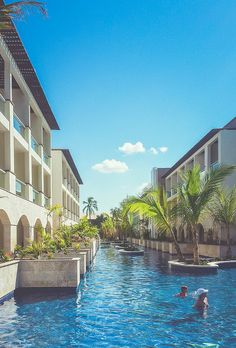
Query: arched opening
x=48, y=228
x=37, y=230
x=200, y=233
x=23, y=231
x=5, y=231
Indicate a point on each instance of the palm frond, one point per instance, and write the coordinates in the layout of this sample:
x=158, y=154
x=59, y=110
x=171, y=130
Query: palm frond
x=17, y=10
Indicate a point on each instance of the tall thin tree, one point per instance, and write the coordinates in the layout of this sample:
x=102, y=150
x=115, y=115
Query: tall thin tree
x=223, y=212
x=90, y=207
x=154, y=206
x=194, y=196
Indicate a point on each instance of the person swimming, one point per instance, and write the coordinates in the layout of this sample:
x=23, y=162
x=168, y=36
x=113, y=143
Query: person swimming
x=202, y=300
x=183, y=292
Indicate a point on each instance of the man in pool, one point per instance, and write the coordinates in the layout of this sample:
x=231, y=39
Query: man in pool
x=183, y=292
x=202, y=300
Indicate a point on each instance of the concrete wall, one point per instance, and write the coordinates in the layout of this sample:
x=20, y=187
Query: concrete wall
x=49, y=273
x=209, y=250
x=8, y=277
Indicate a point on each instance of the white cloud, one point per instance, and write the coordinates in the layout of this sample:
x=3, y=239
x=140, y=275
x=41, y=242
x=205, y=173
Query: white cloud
x=111, y=166
x=153, y=150
x=163, y=149
x=142, y=187
x=129, y=148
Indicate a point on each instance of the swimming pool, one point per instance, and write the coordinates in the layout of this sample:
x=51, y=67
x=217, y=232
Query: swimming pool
x=125, y=302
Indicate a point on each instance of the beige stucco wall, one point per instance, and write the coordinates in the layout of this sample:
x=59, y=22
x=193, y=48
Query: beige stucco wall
x=49, y=273
x=8, y=277
x=16, y=207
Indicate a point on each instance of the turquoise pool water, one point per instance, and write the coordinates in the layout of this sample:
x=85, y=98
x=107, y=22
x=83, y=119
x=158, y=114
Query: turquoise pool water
x=125, y=302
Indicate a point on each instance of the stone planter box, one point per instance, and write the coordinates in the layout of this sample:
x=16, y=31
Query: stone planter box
x=49, y=273
x=189, y=268
x=131, y=253
x=8, y=278
x=88, y=256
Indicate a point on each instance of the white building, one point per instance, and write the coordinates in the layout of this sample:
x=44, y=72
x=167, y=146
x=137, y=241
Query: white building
x=65, y=187
x=215, y=148
x=26, y=122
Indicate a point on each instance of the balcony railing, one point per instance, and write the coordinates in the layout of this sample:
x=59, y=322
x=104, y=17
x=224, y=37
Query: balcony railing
x=2, y=178
x=19, y=126
x=214, y=165
x=46, y=159
x=46, y=202
x=34, y=145
x=173, y=191
x=2, y=104
x=35, y=196
x=20, y=188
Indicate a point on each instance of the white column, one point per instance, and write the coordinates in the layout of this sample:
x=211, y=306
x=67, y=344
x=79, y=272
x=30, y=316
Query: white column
x=7, y=81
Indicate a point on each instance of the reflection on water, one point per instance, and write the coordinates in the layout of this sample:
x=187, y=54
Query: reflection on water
x=124, y=302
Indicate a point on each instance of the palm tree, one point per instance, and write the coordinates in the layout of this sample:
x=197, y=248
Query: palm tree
x=194, y=196
x=16, y=10
x=90, y=207
x=154, y=206
x=223, y=212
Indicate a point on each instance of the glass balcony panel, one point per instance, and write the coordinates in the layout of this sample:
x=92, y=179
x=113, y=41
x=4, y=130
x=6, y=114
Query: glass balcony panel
x=20, y=188
x=35, y=145
x=35, y=196
x=46, y=159
x=214, y=165
x=2, y=178
x=46, y=202
x=19, y=126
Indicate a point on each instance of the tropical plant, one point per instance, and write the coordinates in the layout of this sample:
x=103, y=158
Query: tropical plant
x=5, y=256
x=90, y=207
x=223, y=211
x=108, y=228
x=154, y=206
x=17, y=10
x=194, y=196
x=84, y=229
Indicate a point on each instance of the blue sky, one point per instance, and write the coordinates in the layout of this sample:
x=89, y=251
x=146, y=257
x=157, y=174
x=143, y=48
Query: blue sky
x=158, y=72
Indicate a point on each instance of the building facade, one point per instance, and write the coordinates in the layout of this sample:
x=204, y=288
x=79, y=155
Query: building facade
x=26, y=124
x=214, y=149
x=65, y=187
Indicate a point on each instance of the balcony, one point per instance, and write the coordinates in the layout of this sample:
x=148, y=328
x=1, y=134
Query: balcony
x=35, y=145
x=46, y=159
x=35, y=196
x=46, y=202
x=214, y=166
x=19, y=126
x=173, y=191
x=2, y=178
x=20, y=188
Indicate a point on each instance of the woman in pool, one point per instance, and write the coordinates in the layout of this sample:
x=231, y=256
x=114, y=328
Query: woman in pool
x=183, y=292
x=202, y=300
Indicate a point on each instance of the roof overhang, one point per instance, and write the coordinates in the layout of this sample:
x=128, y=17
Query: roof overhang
x=16, y=48
x=71, y=163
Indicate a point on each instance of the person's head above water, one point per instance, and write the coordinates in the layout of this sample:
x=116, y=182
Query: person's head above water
x=184, y=288
x=201, y=292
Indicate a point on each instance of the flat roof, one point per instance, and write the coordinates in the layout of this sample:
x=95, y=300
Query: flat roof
x=16, y=47
x=69, y=158
x=231, y=125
